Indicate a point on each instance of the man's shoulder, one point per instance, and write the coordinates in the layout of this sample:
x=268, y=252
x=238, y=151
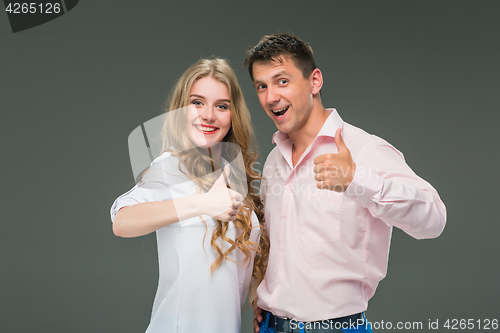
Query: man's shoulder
x=351, y=131
x=358, y=140
x=358, y=135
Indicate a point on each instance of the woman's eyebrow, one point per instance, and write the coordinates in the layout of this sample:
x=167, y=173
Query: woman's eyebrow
x=203, y=97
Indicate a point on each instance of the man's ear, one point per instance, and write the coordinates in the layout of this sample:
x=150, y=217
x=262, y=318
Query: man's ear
x=317, y=81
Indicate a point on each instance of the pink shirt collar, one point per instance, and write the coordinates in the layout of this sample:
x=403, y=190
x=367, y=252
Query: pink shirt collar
x=285, y=144
x=332, y=123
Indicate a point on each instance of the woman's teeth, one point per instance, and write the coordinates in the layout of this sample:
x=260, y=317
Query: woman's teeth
x=206, y=129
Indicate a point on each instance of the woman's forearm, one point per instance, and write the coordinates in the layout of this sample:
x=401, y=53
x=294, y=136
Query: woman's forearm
x=144, y=218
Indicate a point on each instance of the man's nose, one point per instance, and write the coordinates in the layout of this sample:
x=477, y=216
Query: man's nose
x=272, y=96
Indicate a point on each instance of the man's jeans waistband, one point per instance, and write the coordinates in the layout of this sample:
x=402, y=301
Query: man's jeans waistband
x=286, y=325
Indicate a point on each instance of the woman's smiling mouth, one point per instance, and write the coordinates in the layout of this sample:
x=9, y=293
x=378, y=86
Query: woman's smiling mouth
x=206, y=129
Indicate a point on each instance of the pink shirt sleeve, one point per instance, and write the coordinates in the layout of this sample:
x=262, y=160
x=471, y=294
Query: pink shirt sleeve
x=393, y=193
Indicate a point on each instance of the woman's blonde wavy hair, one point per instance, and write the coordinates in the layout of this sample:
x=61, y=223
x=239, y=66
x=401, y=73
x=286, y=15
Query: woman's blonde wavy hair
x=199, y=164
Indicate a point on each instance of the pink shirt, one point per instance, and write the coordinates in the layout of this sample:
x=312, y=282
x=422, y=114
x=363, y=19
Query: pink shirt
x=329, y=250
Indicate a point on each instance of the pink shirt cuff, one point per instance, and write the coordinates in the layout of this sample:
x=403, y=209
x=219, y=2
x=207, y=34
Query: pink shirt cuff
x=364, y=186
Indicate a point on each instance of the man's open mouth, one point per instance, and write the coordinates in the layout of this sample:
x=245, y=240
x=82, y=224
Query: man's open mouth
x=280, y=112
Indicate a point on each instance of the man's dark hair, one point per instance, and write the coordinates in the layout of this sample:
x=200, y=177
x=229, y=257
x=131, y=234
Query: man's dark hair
x=274, y=47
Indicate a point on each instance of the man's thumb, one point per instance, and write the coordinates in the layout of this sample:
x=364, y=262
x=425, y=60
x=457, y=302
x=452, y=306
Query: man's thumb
x=339, y=141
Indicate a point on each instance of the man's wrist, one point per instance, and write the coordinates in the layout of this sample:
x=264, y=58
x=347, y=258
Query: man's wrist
x=364, y=185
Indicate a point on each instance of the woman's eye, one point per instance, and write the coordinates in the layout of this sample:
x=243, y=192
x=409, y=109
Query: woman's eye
x=196, y=102
x=223, y=106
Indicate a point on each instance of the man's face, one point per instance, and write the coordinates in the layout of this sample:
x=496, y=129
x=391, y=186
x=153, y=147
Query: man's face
x=284, y=93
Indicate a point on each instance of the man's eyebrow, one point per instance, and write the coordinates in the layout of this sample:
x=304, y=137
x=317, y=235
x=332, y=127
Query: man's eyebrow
x=283, y=72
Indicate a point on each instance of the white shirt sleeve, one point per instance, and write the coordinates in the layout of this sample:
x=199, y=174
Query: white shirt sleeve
x=154, y=186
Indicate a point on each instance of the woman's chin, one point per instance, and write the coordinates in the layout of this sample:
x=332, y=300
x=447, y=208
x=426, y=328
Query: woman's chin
x=206, y=144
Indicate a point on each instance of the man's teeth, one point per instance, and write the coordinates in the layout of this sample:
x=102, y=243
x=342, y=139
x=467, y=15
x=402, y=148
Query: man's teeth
x=206, y=129
x=281, y=111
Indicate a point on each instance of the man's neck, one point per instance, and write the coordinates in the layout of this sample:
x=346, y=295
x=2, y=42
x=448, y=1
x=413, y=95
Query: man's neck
x=303, y=137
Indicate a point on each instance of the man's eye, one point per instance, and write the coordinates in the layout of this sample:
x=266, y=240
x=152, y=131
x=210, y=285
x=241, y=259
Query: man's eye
x=260, y=86
x=283, y=81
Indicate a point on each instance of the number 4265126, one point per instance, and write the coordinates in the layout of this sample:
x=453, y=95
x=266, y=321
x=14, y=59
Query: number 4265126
x=33, y=8
x=464, y=324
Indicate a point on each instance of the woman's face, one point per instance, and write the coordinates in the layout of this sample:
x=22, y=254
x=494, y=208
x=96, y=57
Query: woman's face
x=208, y=113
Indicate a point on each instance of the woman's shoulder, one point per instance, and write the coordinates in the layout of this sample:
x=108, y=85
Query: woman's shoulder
x=166, y=161
x=166, y=168
x=164, y=156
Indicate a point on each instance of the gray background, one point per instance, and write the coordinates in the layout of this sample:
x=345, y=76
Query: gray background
x=423, y=75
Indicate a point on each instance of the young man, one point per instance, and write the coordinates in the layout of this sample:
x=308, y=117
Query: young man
x=331, y=194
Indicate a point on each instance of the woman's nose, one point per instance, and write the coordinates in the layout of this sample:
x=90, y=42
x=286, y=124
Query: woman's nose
x=207, y=113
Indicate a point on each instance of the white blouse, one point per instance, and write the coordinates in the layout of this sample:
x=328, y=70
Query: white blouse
x=189, y=298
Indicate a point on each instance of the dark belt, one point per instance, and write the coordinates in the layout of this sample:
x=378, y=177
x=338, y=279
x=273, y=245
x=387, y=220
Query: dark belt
x=286, y=325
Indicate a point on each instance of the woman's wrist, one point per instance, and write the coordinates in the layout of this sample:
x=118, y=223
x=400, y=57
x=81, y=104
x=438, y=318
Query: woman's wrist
x=191, y=206
x=202, y=202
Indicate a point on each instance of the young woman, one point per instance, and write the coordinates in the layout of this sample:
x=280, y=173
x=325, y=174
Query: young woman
x=207, y=233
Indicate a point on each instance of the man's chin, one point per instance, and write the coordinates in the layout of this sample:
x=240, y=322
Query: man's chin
x=282, y=128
